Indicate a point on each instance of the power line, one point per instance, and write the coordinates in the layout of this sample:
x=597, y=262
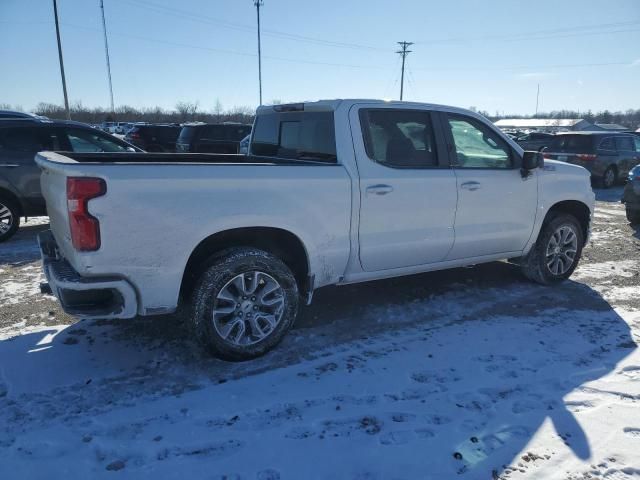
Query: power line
x=584, y=30
x=106, y=53
x=186, y=15
x=403, y=53
x=345, y=65
x=64, y=82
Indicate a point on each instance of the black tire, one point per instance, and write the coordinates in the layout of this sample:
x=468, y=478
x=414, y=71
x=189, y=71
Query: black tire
x=609, y=177
x=10, y=216
x=219, y=271
x=534, y=265
x=633, y=216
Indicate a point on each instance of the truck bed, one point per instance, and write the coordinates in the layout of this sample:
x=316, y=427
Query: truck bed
x=170, y=158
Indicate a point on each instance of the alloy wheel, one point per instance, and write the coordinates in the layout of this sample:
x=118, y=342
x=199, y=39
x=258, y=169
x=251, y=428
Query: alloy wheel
x=248, y=308
x=6, y=219
x=561, y=250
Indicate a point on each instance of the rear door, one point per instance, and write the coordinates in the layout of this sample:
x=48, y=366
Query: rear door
x=407, y=189
x=496, y=205
x=18, y=147
x=627, y=155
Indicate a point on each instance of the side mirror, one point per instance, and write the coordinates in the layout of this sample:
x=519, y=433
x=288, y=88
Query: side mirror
x=531, y=161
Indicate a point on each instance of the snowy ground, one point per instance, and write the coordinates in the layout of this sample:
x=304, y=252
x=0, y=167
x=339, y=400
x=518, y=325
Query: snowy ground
x=470, y=373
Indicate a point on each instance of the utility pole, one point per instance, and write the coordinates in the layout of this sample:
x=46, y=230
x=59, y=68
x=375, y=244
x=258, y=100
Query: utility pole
x=258, y=4
x=537, y=100
x=404, y=52
x=106, y=52
x=64, y=82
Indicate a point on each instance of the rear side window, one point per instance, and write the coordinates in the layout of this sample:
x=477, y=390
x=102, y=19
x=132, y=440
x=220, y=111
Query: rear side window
x=297, y=135
x=625, y=144
x=88, y=141
x=27, y=140
x=187, y=134
x=607, y=144
x=399, y=138
x=572, y=144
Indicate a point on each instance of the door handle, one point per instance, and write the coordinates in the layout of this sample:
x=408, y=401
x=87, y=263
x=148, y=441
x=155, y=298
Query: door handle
x=379, y=189
x=470, y=186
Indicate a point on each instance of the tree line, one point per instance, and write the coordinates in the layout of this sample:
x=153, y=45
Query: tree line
x=629, y=118
x=191, y=112
x=182, y=112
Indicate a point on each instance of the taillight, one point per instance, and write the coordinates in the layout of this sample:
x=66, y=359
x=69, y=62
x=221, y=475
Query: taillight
x=586, y=156
x=85, y=228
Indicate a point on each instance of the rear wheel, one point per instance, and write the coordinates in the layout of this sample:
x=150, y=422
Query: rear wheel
x=9, y=218
x=633, y=216
x=557, y=251
x=609, y=178
x=244, y=303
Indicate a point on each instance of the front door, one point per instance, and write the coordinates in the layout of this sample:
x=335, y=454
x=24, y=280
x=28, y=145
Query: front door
x=407, y=189
x=496, y=205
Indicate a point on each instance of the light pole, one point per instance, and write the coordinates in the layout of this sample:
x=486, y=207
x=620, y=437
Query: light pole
x=106, y=52
x=258, y=4
x=64, y=82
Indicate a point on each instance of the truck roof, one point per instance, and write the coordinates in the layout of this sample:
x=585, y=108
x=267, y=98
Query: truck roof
x=332, y=105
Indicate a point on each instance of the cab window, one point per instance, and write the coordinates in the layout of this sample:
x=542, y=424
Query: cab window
x=476, y=145
x=399, y=138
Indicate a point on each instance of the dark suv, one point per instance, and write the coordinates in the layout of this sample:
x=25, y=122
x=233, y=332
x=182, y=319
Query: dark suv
x=608, y=156
x=212, y=138
x=154, y=138
x=20, y=140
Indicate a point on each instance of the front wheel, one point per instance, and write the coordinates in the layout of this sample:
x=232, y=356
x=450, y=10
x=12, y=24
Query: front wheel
x=556, y=253
x=633, y=216
x=9, y=218
x=244, y=303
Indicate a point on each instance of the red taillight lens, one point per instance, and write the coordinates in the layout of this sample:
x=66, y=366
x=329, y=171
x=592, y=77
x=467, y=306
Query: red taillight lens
x=546, y=155
x=85, y=228
x=586, y=156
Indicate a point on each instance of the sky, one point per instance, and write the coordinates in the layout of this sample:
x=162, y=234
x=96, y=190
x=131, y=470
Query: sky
x=584, y=54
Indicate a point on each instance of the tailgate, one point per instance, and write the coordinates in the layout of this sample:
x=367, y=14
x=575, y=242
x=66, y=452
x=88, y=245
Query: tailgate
x=53, y=182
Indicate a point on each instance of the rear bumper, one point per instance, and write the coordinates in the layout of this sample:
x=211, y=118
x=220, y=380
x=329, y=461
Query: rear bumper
x=86, y=297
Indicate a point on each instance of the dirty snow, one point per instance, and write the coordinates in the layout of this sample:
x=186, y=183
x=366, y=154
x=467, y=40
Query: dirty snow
x=471, y=374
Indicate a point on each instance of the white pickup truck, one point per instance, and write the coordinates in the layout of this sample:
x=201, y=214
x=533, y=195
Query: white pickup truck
x=332, y=192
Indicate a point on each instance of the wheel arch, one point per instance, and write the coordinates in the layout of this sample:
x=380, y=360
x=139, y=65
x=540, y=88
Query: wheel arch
x=10, y=195
x=282, y=243
x=576, y=208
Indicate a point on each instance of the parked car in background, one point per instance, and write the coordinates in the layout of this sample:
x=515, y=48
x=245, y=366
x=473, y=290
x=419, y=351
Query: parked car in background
x=334, y=192
x=20, y=140
x=109, y=127
x=631, y=196
x=608, y=156
x=154, y=138
x=244, y=145
x=534, y=140
x=211, y=138
x=14, y=114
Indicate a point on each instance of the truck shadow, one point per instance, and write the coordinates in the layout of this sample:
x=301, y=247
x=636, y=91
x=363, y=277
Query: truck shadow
x=550, y=342
x=23, y=247
x=612, y=195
